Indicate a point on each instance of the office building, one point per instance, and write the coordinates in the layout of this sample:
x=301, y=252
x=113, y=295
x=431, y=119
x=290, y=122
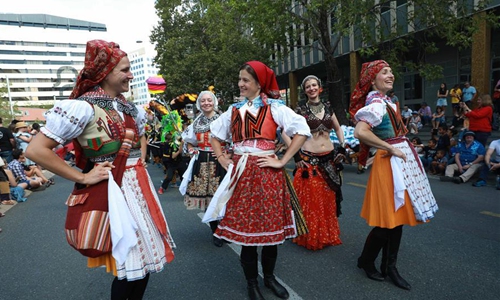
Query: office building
x=41, y=55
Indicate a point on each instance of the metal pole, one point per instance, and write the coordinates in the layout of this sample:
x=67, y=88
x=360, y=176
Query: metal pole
x=10, y=97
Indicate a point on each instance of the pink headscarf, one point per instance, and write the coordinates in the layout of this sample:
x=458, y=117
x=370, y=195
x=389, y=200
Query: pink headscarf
x=368, y=73
x=101, y=58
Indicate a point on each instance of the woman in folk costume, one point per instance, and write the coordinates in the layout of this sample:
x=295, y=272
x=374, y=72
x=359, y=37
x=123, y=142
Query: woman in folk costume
x=205, y=173
x=317, y=179
x=95, y=119
x=398, y=191
x=258, y=211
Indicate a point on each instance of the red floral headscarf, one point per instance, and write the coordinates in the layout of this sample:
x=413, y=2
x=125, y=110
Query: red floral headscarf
x=368, y=73
x=267, y=79
x=101, y=58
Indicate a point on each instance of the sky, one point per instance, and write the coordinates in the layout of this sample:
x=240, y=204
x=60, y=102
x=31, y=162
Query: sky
x=127, y=21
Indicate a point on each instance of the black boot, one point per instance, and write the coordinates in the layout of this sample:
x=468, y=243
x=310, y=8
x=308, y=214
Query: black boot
x=392, y=258
x=383, y=263
x=374, y=242
x=270, y=281
x=217, y=242
x=251, y=271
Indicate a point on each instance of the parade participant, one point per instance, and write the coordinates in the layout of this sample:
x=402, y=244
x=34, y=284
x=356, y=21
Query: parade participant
x=398, y=191
x=317, y=179
x=258, y=211
x=205, y=173
x=94, y=118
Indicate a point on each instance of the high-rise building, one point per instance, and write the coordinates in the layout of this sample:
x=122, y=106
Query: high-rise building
x=142, y=67
x=41, y=55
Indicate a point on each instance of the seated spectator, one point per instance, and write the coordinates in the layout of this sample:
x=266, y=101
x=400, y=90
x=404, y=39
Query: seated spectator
x=438, y=165
x=23, y=138
x=34, y=177
x=437, y=119
x=468, y=160
x=415, y=123
x=452, y=134
x=429, y=153
x=4, y=185
x=35, y=129
x=406, y=114
x=443, y=139
x=7, y=142
x=419, y=147
x=425, y=114
x=16, y=190
x=492, y=165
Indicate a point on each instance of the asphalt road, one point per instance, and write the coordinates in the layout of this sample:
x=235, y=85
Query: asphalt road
x=455, y=256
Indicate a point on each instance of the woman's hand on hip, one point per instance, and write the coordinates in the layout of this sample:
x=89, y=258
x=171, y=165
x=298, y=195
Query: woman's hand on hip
x=224, y=161
x=271, y=161
x=98, y=173
x=396, y=152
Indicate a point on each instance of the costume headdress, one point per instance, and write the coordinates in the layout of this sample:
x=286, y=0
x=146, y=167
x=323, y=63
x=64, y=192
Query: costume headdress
x=368, y=73
x=101, y=58
x=267, y=79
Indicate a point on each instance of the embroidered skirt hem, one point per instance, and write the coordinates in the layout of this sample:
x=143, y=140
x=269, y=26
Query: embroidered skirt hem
x=259, y=212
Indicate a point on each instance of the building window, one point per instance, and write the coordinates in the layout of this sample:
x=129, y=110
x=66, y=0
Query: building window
x=412, y=86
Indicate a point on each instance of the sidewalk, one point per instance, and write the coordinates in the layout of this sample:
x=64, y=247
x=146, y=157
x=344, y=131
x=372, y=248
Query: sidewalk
x=27, y=193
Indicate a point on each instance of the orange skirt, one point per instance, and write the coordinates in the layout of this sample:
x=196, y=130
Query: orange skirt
x=378, y=207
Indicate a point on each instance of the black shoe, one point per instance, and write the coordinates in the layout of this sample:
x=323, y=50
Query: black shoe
x=253, y=290
x=217, y=242
x=458, y=180
x=397, y=279
x=276, y=287
x=446, y=178
x=371, y=271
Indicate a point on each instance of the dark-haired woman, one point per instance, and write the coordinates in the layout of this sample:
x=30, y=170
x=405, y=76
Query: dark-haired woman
x=258, y=210
x=398, y=191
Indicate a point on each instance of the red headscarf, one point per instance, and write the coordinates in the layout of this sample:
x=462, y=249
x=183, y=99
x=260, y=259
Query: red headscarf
x=101, y=58
x=368, y=73
x=267, y=79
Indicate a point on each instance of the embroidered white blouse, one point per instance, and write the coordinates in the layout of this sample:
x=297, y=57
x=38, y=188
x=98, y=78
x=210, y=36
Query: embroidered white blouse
x=284, y=116
x=73, y=118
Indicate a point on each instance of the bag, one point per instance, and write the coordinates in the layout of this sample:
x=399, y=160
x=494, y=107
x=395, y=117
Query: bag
x=496, y=95
x=87, y=219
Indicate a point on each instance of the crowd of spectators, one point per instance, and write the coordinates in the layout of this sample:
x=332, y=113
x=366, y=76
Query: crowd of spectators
x=17, y=173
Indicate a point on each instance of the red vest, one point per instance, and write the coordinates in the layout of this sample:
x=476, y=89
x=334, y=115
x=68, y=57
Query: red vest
x=261, y=126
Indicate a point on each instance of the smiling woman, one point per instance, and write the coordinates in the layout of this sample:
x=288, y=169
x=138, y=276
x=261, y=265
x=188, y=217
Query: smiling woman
x=398, y=191
x=107, y=132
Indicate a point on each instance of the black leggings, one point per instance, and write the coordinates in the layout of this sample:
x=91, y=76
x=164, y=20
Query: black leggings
x=131, y=290
x=249, y=253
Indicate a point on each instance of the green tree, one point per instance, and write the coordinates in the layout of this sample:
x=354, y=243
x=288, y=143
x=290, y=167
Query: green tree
x=4, y=104
x=200, y=45
x=322, y=24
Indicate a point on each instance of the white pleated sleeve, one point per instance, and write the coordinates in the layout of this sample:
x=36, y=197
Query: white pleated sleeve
x=67, y=120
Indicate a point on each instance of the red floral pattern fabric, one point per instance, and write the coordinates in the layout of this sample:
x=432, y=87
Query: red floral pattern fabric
x=259, y=212
x=318, y=204
x=100, y=58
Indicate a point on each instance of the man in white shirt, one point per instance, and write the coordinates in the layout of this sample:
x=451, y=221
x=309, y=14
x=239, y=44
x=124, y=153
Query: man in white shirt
x=492, y=165
x=406, y=114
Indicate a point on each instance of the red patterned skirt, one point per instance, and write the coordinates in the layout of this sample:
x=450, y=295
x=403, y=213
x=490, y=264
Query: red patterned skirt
x=318, y=204
x=259, y=212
